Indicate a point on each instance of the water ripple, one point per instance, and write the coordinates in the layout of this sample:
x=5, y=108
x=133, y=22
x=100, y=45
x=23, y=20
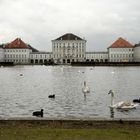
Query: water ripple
x=21, y=95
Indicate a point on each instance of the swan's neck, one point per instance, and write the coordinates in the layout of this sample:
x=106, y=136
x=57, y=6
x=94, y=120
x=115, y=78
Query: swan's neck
x=112, y=99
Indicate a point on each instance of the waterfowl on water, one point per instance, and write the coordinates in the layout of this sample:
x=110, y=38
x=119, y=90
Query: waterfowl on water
x=122, y=104
x=51, y=96
x=38, y=113
x=136, y=100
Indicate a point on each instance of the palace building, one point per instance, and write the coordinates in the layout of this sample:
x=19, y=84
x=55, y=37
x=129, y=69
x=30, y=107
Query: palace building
x=19, y=52
x=66, y=49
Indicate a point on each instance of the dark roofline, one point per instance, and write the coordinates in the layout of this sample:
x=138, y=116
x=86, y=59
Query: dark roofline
x=33, y=49
x=17, y=48
x=68, y=36
x=1, y=45
x=97, y=52
x=41, y=53
x=137, y=45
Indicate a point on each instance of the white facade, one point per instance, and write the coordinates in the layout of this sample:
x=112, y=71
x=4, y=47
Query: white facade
x=68, y=48
x=68, y=51
x=40, y=57
x=137, y=53
x=97, y=56
x=2, y=58
x=18, y=56
x=120, y=54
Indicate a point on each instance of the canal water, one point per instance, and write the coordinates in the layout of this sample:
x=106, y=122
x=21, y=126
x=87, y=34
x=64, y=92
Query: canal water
x=24, y=89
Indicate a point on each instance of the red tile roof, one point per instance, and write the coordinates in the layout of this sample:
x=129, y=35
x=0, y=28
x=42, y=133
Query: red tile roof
x=121, y=43
x=17, y=44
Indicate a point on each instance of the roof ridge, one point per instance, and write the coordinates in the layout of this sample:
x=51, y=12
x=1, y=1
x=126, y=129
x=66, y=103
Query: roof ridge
x=69, y=36
x=121, y=43
x=17, y=43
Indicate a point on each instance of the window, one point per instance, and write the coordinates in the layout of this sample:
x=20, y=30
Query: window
x=83, y=48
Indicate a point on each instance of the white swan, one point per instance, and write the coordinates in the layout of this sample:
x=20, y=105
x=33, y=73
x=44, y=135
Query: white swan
x=122, y=104
x=85, y=89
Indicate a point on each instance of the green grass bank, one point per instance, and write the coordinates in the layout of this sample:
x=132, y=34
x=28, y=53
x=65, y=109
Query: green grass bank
x=41, y=129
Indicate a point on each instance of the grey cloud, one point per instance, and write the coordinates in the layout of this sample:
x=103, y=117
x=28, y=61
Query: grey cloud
x=39, y=21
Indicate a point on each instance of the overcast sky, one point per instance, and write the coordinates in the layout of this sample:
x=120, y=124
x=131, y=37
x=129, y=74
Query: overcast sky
x=100, y=22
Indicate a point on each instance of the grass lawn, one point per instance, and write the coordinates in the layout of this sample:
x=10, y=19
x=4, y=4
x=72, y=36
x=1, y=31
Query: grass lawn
x=69, y=134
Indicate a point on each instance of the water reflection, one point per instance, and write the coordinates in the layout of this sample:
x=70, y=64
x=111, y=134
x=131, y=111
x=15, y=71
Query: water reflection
x=111, y=112
x=121, y=112
x=126, y=111
x=85, y=96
